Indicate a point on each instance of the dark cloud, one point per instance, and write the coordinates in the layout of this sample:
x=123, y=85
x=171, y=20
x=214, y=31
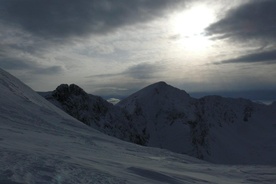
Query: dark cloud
x=267, y=95
x=268, y=57
x=128, y=81
x=144, y=71
x=175, y=37
x=18, y=57
x=48, y=70
x=139, y=71
x=13, y=64
x=254, y=20
x=65, y=18
x=28, y=66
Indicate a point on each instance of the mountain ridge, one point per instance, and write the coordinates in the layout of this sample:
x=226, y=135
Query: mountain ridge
x=163, y=116
x=39, y=143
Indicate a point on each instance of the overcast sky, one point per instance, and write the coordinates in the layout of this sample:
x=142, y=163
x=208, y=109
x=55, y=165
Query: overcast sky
x=115, y=47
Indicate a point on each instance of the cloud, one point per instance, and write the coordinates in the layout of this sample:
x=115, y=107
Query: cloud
x=14, y=64
x=22, y=57
x=266, y=95
x=250, y=21
x=139, y=71
x=128, y=81
x=113, y=100
x=48, y=70
x=268, y=57
x=175, y=37
x=28, y=66
x=65, y=18
x=143, y=71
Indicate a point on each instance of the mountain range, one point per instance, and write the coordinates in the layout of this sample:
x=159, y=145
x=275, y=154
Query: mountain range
x=212, y=128
x=40, y=143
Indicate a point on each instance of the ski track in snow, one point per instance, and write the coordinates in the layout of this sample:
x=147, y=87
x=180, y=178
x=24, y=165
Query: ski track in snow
x=41, y=144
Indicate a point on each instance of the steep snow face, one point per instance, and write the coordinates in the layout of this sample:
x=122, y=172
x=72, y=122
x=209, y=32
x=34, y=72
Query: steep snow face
x=93, y=111
x=221, y=130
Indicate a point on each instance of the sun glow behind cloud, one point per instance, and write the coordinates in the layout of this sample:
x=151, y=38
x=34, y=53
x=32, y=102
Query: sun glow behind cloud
x=188, y=27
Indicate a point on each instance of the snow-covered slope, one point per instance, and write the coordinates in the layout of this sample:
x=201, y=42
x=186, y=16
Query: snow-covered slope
x=216, y=129
x=39, y=143
x=93, y=111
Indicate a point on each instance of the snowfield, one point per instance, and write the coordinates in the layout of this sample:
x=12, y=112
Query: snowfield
x=40, y=143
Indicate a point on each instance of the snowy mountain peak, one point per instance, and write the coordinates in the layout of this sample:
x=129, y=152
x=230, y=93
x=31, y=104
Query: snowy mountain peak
x=63, y=91
x=156, y=93
x=162, y=87
x=93, y=111
x=160, y=84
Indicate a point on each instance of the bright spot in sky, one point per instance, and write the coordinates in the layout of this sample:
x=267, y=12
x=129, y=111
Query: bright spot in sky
x=189, y=25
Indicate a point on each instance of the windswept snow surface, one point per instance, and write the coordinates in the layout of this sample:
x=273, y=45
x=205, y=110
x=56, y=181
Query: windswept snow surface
x=39, y=143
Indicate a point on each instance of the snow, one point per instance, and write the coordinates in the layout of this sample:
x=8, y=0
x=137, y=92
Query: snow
x=213, y=128
x=39, y=143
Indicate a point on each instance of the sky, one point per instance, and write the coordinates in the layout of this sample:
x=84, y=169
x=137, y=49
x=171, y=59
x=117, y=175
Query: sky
x=115, y=47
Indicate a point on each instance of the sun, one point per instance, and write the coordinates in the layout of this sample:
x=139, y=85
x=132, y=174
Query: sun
x=189, y=26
